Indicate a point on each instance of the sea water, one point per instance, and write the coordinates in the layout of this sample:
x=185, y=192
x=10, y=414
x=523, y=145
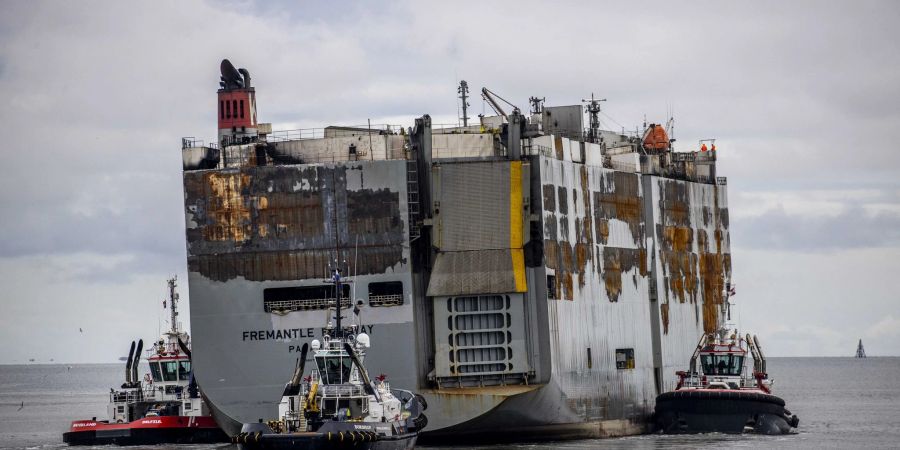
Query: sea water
x=842, y=403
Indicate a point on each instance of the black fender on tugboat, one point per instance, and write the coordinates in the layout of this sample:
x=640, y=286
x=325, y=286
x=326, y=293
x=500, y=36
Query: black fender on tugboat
x=421, y=421
x=421, y=401
x=727, y=411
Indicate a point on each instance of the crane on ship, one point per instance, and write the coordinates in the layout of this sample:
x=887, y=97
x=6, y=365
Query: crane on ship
x=492, y=100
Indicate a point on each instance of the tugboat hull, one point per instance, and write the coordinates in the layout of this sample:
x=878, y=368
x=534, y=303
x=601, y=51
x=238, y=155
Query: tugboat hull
x=722, y=411
x=147, y=431
x=333, y=435
x=320, y=442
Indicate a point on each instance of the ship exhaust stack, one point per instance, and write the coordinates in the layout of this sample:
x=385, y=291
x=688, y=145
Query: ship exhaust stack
x=293, y=386
x=128, y=379
x=184, y=348
x=363, y=373
x=237, y=106
x=137, y=361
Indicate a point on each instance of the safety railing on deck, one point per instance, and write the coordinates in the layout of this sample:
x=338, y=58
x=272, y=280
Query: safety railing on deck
x=385, y=300
x=286, y=306
x=147, y=392
x=327, y=157
x=341, y=390
x=341, y=131
x=190, y=141
x=537, y=149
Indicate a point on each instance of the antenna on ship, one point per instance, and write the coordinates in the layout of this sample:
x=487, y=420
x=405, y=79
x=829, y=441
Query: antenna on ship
x=335, y=273
x=860, y=351
x=593, y=108
x=173, y=299
x=537, y=104
x=463, y=91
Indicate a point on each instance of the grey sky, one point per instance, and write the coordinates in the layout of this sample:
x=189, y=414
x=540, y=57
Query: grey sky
x=803, y=98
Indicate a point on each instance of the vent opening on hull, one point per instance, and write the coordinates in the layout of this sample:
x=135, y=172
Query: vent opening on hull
x=480, y=341
x=389, y=293
x=302, y=298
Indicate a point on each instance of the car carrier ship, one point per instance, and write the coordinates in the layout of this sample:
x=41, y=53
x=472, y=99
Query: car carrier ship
x=530, y=274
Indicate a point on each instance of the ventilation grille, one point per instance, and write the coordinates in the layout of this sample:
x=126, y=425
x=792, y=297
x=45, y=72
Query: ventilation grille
x=479, y=335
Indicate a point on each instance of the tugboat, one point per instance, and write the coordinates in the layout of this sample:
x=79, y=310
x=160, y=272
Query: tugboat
x=339, y=405
x=717, y=394
x=164, y=407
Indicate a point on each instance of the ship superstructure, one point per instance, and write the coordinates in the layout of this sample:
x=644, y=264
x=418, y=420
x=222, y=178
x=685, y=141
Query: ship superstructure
x=548, y=276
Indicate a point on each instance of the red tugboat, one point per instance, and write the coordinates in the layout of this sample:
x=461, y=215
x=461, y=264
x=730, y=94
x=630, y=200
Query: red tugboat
x=718, y=395
x=164, y=407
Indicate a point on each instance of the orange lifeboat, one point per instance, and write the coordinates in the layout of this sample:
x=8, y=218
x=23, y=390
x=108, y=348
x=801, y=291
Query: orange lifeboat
x=656, y=138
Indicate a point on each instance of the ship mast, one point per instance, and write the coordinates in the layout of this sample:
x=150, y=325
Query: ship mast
x=860, y=351
x=463, y=91
x=336, y=270
x=593, y=107
x=173, y=298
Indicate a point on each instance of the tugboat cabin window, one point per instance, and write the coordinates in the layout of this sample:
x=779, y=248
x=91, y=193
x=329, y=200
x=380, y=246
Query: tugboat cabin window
x=154, y=372
x=729, y=365
x=334, y=369
x=170, y=370
x=184, y=370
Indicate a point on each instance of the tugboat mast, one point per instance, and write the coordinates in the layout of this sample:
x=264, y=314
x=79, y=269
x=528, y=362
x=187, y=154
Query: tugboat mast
x=173, y=298
x=336, y=278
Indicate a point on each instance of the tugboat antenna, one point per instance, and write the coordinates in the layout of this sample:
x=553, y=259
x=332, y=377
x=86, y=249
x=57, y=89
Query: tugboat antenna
x=173, y=298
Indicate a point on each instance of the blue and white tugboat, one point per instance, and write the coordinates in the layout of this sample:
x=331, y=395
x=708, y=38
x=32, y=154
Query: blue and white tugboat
x=719, y=394
x=338, y=405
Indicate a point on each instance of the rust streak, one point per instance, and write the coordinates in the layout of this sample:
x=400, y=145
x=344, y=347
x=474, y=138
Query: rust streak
x=664, y=313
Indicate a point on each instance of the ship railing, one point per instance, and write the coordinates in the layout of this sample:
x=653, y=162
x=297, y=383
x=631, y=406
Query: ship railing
x=286, y=306
x=191, y=142
x=337, y=131
x=163, y=392
x=538, y=150
x=167, y=348
x=341, y=390
x=693, y=379
x=333, y=157
x=459, y=127
x=385, y=300
x=467, y=152
x=127, y=396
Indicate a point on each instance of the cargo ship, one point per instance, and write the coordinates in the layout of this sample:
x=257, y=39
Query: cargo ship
x=544, y=277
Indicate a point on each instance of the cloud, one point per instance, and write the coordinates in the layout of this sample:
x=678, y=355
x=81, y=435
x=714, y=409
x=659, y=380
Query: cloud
x=814, y=304
x=851, y=228
x=886, y=328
